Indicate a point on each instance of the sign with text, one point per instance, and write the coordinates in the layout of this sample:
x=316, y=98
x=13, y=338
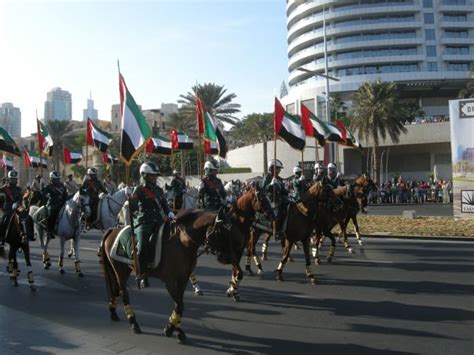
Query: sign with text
x=466, y=109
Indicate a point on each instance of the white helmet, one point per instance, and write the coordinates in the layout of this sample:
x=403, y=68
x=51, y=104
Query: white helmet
x=332, y=166
x=149, y=168
x=318, y=166
x=211, y=165
x=175, y=172
x=13, y=174
x=296, y=170
x=92, y=171
x=275, y=162
x=54, y=175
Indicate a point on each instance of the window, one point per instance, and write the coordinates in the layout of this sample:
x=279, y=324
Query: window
x=432, y=66
x=428, y=3
x=455, y=18
x=455, y=34
x=458, y=66
x=456, y=50
x=431, y=51
x=430, y=35
x=429, y=19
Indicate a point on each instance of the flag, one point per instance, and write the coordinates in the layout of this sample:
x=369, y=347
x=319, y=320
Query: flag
x=97, y=137
x=159, y=145
x=44, y=138
x=135, y=129
x=7, y=144
x=288, y=127
x=335, y=135
x=199, y=115
x=109, y=158
x=6, y=162
x=33, y=160
x=213, y=133
x=343, y=130
x=210, y=147
x=71, y=157
x=180, y=141
x=352, y=141
x=321, y=130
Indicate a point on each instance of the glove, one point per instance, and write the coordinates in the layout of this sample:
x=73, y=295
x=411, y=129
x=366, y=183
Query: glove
x=302, y=178
x=15, y=205
x=274, y=181
x=101, y=195
x=228, y=199
x=171, y=215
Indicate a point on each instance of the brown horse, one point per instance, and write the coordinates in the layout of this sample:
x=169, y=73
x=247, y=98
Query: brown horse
x=193, y=228
x=242, y=214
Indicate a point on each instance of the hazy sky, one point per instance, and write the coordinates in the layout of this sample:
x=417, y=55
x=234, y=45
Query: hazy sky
x=164, y=48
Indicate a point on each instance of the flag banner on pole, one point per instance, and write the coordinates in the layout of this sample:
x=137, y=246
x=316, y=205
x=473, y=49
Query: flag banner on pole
x=321, y=130
x=210, y=147
x=7, y=144
x=33, y=160
x=135, y=129
x=44, y=138
x=71, y=157
x=336, y=135
x=97, y=137
x=343, y=130
x=6, y=162
x=180, y=141
x=349, y=138
x=288, y=127
x=159, y=145
x=109, y=158
x=199, y=115
x=213, y=133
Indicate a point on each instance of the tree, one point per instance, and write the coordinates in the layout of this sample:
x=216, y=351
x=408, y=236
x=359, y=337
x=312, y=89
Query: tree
x=377, y=113
x=57, y=130
x=467, y=92
x=217, y=102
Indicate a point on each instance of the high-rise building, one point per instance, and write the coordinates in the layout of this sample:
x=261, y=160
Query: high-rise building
x=426, y=46
x=58, y=105
x=10, y=119
x=90, y=111
x=115, y=117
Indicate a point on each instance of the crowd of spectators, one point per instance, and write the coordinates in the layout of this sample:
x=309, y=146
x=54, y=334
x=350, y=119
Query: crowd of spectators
x=431, y=119
x=400, y=191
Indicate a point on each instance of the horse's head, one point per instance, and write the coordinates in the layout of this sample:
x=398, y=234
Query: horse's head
x=219, y=238
x=324, y=193
x=361, y=188
x=256, y=200
x=83, y=202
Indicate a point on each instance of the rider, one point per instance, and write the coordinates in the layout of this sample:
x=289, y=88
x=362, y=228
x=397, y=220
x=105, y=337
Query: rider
x=273, y=184
x=36, y=185
x=12, y=200
x=320, y=173
x=299, y=183
x=149, y=209
x=212, y=195
x=110, y=185
x=178, y=186
x=71, y=186
x=334, y=178
x=92, y=187
x=56, y=196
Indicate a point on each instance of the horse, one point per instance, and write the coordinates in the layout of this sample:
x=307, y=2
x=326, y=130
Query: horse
x=16, y=236
x=192, y=229
x=68, y=226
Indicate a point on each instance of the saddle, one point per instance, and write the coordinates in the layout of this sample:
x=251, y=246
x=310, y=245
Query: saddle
x=122, y=249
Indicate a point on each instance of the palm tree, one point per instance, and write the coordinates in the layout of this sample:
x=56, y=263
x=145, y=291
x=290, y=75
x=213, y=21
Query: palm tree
x=217, y=102
x=377, y=113
x=467, y=92
x=338, y=109
x=57, y=130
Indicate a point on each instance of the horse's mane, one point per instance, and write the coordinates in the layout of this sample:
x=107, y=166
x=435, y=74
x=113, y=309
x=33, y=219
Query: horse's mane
x=191, y=215
x=312, y=191
x=243, y=199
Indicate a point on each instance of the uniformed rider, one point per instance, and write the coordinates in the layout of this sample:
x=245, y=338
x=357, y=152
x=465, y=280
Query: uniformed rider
x=149, y=209
x=212, y=195
x=92, y=187
x=110, y=185
x=320, y=173
x=273, y=184
x=335, y=179
x=56, y=196
x=12, y=197
x=178, y=186
x=71, y=186
x=299, y=182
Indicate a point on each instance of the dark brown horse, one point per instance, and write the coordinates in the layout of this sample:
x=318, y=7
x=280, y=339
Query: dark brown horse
x=193, y=228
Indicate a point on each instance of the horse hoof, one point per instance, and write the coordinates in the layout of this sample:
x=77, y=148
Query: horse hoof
x=329, y=260
x=136, y=328
x=80, y=274
x=317, y=261
x=181, y=336
x=62, y=272
x=229, y=292
x=264, y=257
x=169, y=330
x=33, y=288
x=260, y=272
x=46, y=266
x=236, y=297
x=279, y=276
x=15, y=283
x=313, y=281
x=350, y=250
x=250, y=272
x=114, y=317
x=69, y=254
x=198, y=293
x=360, y=243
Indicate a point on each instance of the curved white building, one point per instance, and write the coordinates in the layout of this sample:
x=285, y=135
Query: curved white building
x=428, y=45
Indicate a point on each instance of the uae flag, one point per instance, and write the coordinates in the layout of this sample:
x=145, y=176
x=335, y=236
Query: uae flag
x=7, y=144
x=33, y=160
x=71, y=157
x=319, y=128
x=44, y=138
x=288, y=127
x=159, y=145
x=109, y=158
x=180, y=141
x=210, y=147
x=352, y=141
x=97, y=137
x=135, y=129
x=335, y=135
x=6, y=163
x=213, y=133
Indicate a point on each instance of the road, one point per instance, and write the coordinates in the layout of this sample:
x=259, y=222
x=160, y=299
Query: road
x=392, y=297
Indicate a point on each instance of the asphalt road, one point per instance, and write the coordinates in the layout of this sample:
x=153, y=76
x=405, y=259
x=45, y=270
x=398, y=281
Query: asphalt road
x=392, y=297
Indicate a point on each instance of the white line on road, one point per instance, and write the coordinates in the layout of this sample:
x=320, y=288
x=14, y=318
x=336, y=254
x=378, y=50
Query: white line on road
x=406, y=240
x=372, y=261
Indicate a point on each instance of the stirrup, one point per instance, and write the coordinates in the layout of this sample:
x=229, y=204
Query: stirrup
x=142, y=282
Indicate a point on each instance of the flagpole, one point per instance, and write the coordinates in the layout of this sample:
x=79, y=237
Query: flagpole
x=274, y=172
x=40, y=149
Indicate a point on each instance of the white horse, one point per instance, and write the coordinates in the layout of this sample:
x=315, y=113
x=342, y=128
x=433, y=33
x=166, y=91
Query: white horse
x=68, y=226
x=110, y=207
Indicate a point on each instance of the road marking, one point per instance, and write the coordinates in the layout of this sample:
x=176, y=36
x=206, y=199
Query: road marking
x=42, y=281
x=89, y=249
x=405, y=240
x=371, y=261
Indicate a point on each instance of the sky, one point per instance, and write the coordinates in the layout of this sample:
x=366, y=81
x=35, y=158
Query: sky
x=164, y=48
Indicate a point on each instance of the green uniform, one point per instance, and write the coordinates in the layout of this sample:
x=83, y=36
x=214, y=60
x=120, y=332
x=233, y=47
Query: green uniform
x=93, y=187
x=56, y=195
x=299, y=186
x=281, y=197
x=178, y=187
x=336, y=182
x=211, y=193
x=149, y=208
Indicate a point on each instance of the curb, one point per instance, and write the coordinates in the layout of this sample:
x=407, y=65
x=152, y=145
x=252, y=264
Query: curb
x=416, y=237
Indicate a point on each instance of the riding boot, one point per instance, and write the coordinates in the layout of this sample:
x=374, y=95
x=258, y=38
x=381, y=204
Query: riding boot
x=142, y=278
x=50, y=230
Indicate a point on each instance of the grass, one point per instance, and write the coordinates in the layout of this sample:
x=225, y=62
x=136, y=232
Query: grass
x=461, y=178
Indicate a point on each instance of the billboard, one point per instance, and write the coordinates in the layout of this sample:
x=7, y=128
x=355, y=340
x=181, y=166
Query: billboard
x=461, y=116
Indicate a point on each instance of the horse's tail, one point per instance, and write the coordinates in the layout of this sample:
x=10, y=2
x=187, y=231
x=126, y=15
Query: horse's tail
x=111, y=282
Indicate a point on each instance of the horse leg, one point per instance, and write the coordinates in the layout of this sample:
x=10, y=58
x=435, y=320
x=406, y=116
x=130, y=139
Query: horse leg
x=113, y=288
x=176, y=291
x=126, y=302
x=71, y=249
x=344, y=225
x=77, y=258
x=250, y=252
x=62, y=243
x=195, y=284
x=44, y=244
x=307, y=256
x=286, y=255
x=256, y=258
x=13, y=265
x=357, y=232
x=265, y=246
x=332, y=248
x=315, y=248
x=237, y=276
x=26, y=252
